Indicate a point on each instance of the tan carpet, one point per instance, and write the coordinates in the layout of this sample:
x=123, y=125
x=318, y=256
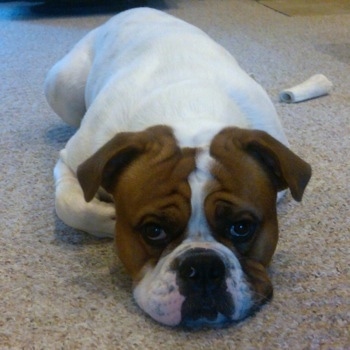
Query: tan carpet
x=56, y=289
x=309, y=7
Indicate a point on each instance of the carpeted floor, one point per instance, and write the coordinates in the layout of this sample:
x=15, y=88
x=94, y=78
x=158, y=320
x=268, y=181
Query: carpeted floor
x=61, y=289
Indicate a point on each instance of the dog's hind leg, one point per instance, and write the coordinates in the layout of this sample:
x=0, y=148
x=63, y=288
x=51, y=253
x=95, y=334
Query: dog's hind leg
x=66, y=81
x=96, y=217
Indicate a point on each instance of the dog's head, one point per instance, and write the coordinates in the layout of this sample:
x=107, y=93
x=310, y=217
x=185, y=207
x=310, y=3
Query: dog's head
x=196, y=228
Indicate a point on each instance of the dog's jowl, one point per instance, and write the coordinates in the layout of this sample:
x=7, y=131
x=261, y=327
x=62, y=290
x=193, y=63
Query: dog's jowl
x=180, y=156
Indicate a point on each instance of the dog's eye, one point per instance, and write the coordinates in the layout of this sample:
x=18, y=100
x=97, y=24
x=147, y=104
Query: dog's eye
x=241, y=231
x=154, y=234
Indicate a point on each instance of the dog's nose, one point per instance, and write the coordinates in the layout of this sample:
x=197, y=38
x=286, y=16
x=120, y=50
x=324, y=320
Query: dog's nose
x=202, y=270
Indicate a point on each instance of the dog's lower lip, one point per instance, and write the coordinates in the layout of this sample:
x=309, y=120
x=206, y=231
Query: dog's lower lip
x=200, y=322
x=204, y=313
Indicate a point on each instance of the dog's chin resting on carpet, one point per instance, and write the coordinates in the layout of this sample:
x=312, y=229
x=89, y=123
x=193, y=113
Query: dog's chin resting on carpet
x=193, y=155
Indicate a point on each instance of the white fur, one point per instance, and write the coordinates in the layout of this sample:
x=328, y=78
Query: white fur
x=143, y=68
x=158, y=294
x=198, y=229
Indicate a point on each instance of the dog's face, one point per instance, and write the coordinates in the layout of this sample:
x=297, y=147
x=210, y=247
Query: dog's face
x=196, y=228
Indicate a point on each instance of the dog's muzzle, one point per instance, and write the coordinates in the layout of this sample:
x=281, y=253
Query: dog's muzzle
x=198, y=284
x=201, y=277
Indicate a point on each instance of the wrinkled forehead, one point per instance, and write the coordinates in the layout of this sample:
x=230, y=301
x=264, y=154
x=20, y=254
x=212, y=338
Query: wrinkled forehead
x=167, y=175
x=240, y=178
x=157, y=178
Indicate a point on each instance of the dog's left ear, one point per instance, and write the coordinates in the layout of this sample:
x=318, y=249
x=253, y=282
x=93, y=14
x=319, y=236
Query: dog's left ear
x=284, y=166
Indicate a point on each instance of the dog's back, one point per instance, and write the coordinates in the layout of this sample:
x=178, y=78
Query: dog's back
x=143, y=68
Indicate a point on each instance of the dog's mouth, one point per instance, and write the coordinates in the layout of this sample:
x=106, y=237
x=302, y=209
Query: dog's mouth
x=202, y=287
x=201, y=312
x=214, y=313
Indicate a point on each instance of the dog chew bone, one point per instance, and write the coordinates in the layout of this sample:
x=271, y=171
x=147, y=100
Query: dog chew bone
x=316, y=86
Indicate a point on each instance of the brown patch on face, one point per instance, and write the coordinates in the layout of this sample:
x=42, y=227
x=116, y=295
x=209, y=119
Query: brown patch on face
x=259, y=280
x=241, y=204
x=147, y=174
x=251, y=168
x=154, y=191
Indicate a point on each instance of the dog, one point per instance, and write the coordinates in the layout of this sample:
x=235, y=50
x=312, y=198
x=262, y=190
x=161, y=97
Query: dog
x=180, y=156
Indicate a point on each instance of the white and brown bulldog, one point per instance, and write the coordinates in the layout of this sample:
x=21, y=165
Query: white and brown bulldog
x=180, y=156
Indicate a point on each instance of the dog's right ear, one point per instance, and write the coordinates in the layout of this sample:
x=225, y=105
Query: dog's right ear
x=285, y=168
x=103, y=167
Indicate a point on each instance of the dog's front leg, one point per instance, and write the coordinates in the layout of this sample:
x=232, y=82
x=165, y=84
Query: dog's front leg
x=96, y=217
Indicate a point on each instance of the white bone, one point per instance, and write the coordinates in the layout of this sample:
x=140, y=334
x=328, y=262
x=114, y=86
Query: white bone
x=316, y=86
